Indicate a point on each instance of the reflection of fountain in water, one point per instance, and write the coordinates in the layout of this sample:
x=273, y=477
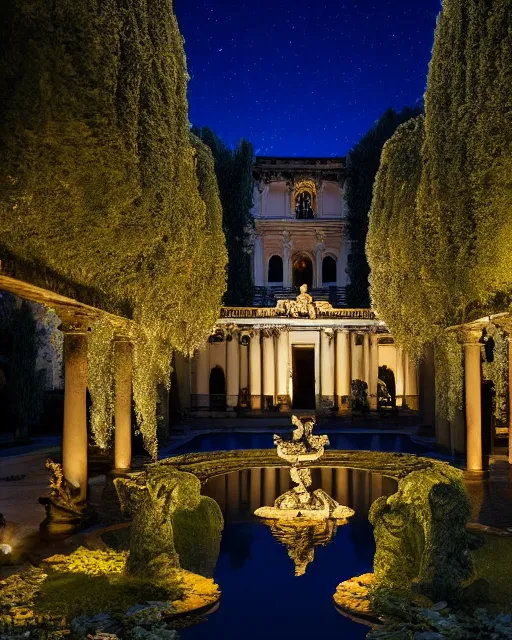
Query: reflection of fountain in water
x=302, y=519
x=301, y=539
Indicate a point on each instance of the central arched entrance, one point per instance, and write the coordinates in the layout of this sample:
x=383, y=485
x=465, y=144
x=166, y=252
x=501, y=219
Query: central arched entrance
x=303, y=271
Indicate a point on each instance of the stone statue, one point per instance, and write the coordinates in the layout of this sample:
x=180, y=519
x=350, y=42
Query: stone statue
x=420, y=534
x=173, y=527
x=66, y=512
x=300, y=502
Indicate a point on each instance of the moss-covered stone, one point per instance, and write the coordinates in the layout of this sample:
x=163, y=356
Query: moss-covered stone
x=420, y=533
x=169, y=516
x=197, y=536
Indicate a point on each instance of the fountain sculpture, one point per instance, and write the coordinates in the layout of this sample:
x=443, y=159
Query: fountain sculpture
x=300, y=502
x=302, y=519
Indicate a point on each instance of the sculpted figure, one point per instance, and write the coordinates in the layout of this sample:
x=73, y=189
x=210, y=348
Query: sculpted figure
x=420, y=533
x=173, y=525
x=300, y=502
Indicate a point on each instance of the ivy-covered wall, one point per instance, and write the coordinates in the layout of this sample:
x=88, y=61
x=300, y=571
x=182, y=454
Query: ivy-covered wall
x=100, y=186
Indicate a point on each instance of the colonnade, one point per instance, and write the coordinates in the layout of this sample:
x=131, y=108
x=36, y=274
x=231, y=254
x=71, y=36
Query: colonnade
x=74, y=439
x=262, y=368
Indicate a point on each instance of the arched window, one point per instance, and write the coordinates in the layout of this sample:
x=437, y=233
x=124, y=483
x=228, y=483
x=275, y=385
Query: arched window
x=275, y=269
x=328, y=270
x=302, y=271
x=304, y=205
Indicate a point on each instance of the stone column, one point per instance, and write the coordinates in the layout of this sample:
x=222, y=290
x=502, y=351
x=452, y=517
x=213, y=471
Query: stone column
x=319, y=252
x=233, y=370
x=268, y=367
x=203, y=377
x=374, y=372
x=343, y=376
x=287, y=271
x=283, y=371
x=326, y=369
x=123, y=404
x=255, y=370
x=357, y=358
x=74, y=439
x=244, y=368
x=259, y=274
x=366, y=359
x=399, y=378
x=411, y=384
x=473, y=400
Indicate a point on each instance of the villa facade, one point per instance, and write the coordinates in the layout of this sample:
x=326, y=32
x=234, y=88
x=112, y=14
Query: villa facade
x=298, y=346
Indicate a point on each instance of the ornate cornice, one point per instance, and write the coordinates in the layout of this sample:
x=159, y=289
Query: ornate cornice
x=302, y=307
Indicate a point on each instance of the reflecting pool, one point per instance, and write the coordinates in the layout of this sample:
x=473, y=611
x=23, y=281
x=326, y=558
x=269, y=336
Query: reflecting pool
x=261, y=596
x=392, y=442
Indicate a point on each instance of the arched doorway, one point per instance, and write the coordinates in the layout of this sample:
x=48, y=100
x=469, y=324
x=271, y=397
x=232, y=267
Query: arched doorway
x=386, y=392
x=217, y=389
x=303, y=272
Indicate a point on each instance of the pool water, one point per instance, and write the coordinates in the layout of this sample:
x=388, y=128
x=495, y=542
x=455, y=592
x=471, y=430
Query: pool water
x=392, y=442
x=261, y=596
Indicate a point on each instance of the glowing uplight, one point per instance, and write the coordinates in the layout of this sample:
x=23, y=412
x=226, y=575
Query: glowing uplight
x=5, y=549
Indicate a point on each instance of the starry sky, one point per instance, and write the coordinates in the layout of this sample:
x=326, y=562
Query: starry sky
x=303, y=77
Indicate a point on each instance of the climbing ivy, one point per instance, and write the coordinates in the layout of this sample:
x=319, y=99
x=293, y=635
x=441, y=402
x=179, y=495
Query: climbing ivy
x=100, y=352
x=497, y=371
x=100, y=192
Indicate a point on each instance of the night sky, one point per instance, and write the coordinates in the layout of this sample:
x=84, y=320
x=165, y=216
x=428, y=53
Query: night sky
x=299, y=77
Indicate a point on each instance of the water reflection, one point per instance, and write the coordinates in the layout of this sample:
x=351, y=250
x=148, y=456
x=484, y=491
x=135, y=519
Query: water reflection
x=255, y=573
x=300, y=540
x=240, y=493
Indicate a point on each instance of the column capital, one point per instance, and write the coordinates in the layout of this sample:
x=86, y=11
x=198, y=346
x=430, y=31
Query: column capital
x=467, y=337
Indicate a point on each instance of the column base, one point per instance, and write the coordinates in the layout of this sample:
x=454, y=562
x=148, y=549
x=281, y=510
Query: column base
x=256, y=403
x=343, y=405
x=285, y=403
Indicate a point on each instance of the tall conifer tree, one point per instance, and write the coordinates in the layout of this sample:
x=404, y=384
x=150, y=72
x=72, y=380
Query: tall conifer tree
x=234, y=175
x=363, y=163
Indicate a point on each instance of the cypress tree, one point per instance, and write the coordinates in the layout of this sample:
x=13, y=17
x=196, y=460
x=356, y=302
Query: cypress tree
x=460, y=220
x=234, y=176
x=99, y=181
x=363, y=163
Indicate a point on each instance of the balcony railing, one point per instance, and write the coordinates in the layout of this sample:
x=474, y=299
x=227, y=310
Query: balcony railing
x=268, y=296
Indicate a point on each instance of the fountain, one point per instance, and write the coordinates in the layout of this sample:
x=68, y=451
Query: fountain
x=300, y=504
